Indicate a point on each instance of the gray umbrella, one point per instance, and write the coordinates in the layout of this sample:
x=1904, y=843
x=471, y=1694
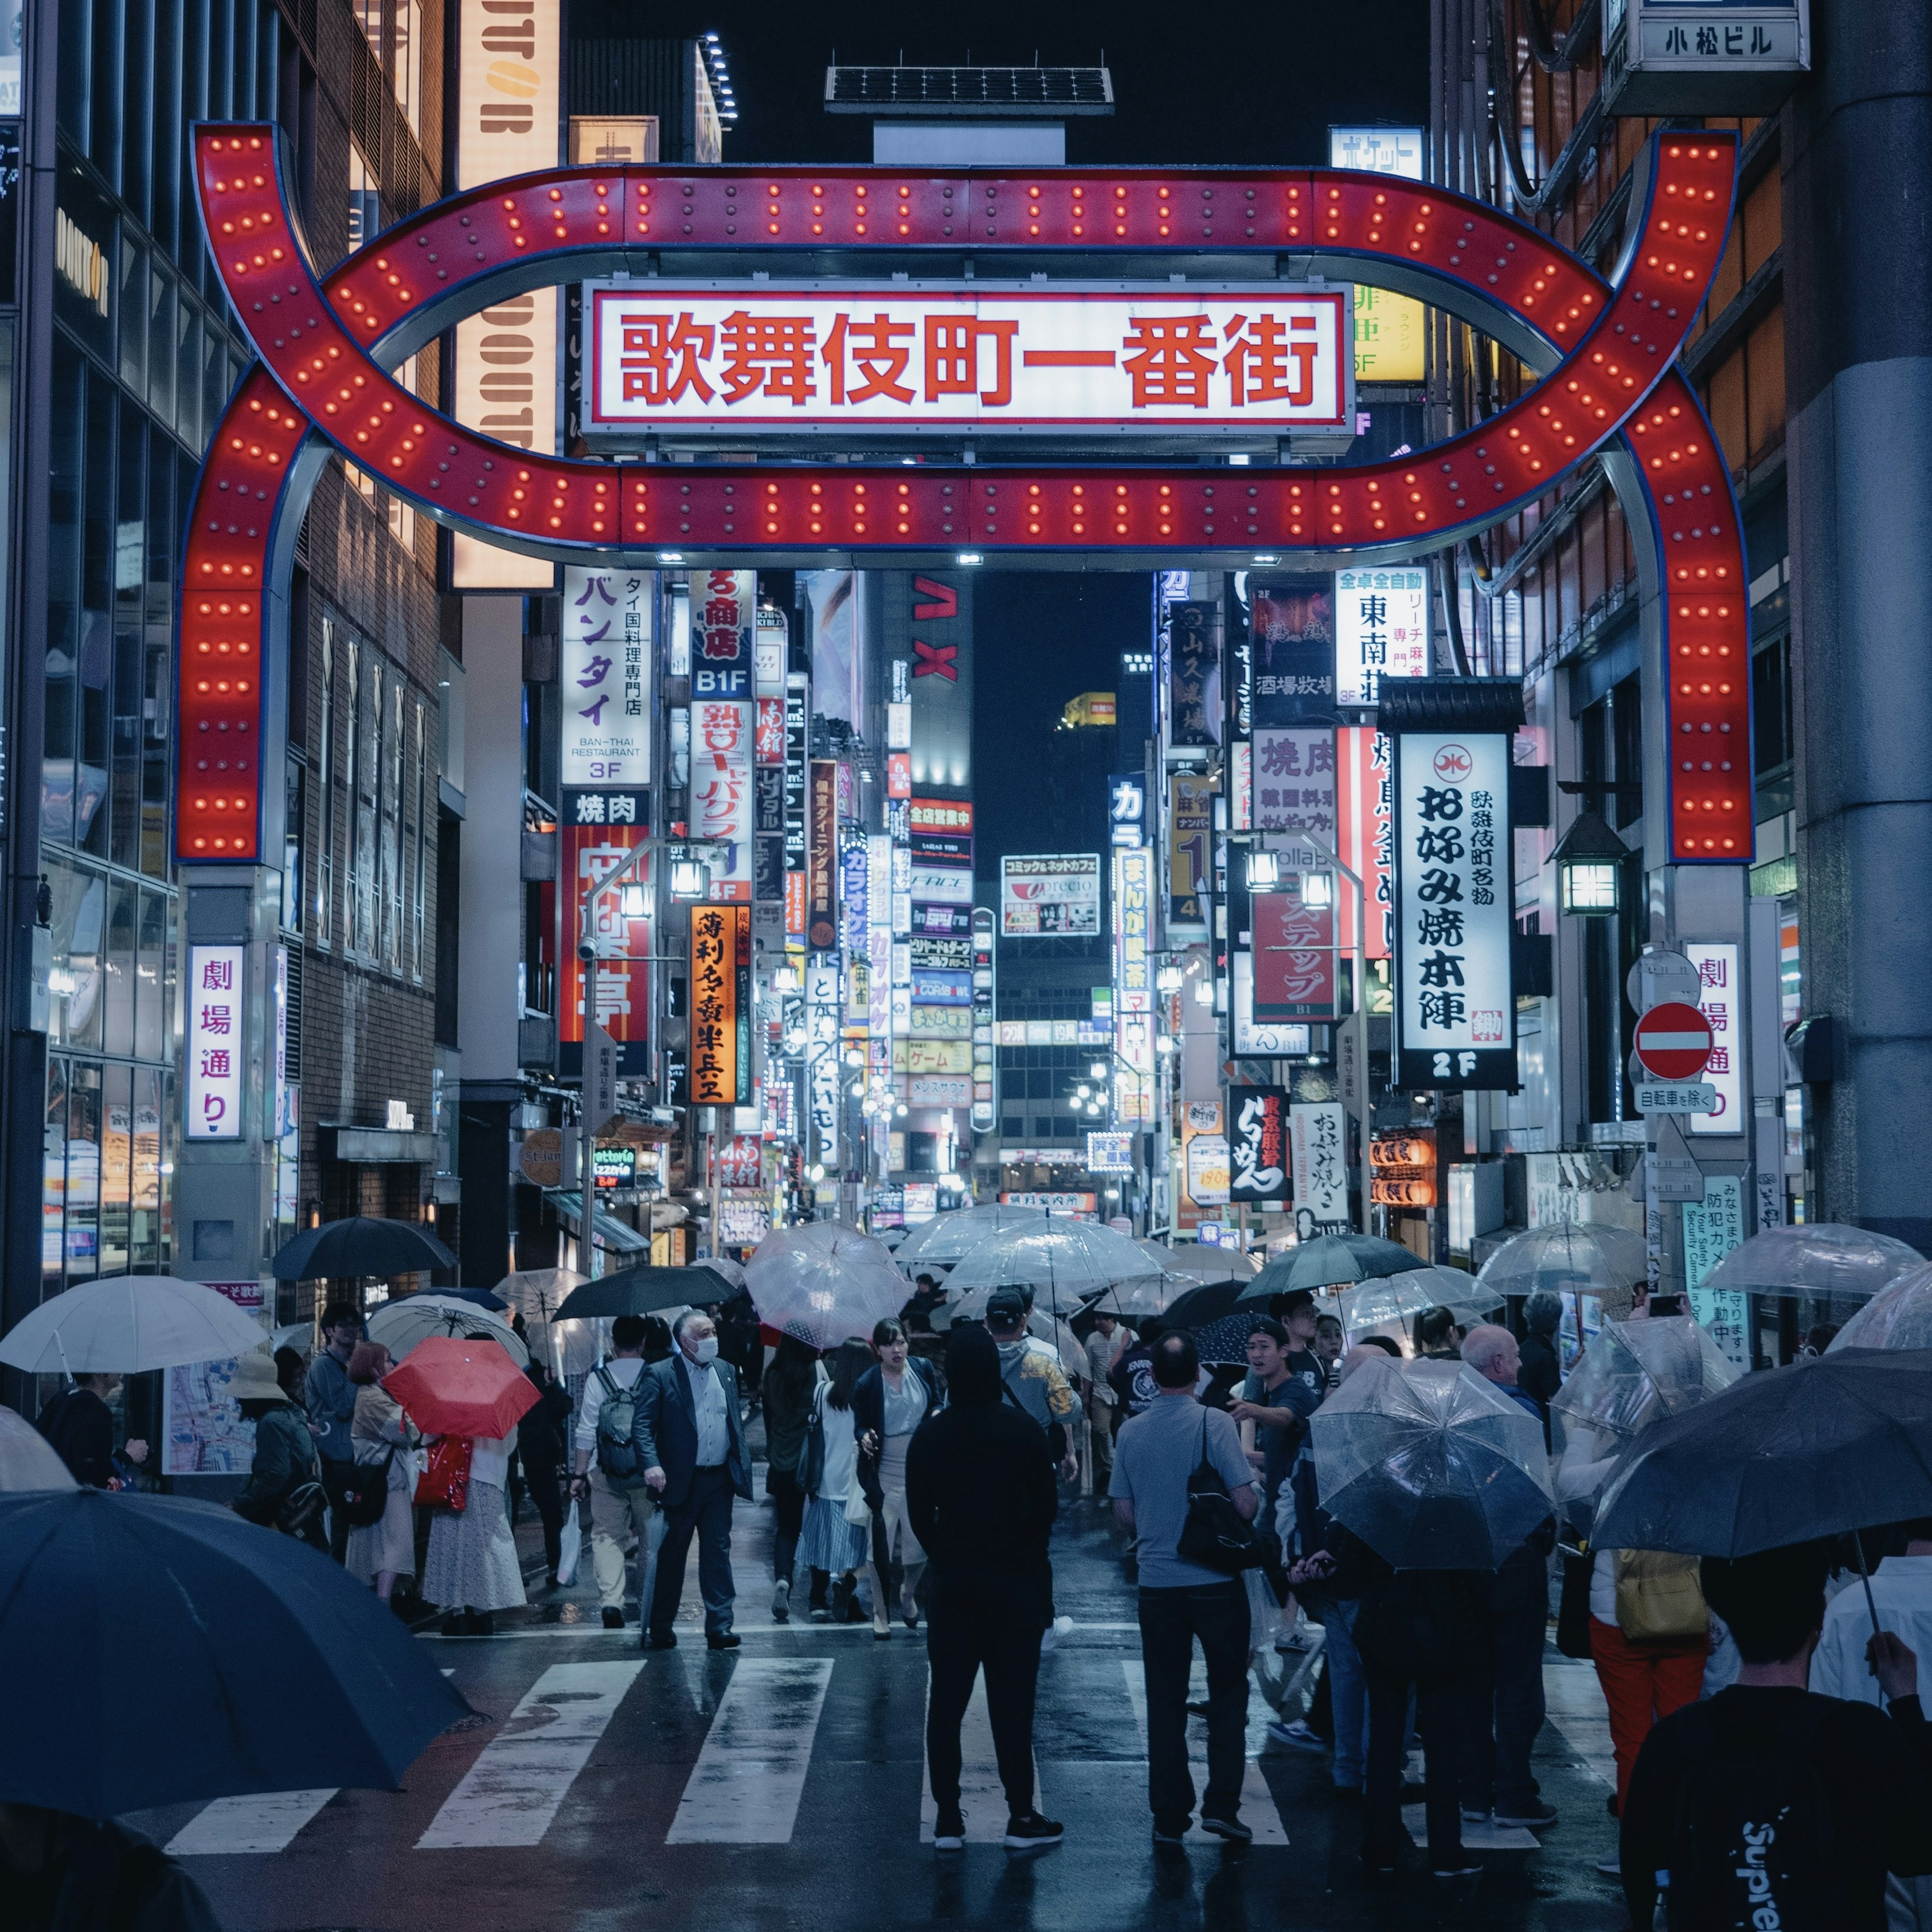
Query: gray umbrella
x=1432, y=1466
x=1331, y=1260
x=1789, y=1455
x=363, y=1245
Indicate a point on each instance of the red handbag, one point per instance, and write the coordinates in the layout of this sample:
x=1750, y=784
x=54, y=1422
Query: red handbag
x=445, y=1484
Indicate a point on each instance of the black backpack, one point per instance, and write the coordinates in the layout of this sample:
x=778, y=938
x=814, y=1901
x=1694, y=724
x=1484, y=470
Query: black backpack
x=1753, y=1833
x=617, y=1455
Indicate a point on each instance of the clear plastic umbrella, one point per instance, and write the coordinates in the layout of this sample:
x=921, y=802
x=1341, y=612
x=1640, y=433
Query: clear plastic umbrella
x=27, y=1459
x=1201, y=1264
x=1635, y=1373
x=1065, y=1262
x=1400, y=1298
x=727, y=1271
x=536, y=1294
x=947, y=1237
x=823, y=1282
x=971, y=1307
x=128, y=1322
x=1823, y=1258
x=399, y=1325
x=1567, y=1257
x=1432, y=1466
x=1899, y=1316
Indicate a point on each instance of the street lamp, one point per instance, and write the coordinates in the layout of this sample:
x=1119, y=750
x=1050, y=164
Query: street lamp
x=1317, y=890
x=1168, y=980
x=1264, y=871
x=1098, y=1071
x=1589, y=868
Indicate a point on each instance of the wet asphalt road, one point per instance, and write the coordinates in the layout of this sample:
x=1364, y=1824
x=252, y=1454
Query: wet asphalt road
x=781, y=1787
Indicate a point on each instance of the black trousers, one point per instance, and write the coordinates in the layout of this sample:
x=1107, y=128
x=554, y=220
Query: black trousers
x=788, y=1507
x=983, y=1621
x=1171, y=1621
x=706, y=1514
x=337, y=1477
x=1502, y=1690
x=1437, y=1708
x=547, y=1493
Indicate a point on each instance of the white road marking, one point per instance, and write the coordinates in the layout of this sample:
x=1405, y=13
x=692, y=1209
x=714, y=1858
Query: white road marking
x=982, y=1797
x=264, y=1821
x=511, y=1794
x=1259, y=1812
x=1574, y=1701
x=745, y=1788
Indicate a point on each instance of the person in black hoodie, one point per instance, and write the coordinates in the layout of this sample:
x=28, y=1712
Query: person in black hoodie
x=980, y=1495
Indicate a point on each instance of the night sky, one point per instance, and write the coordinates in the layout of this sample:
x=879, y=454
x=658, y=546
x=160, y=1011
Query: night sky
x=1243, y=86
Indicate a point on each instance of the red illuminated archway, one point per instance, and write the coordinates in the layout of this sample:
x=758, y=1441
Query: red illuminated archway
x=1608, y=349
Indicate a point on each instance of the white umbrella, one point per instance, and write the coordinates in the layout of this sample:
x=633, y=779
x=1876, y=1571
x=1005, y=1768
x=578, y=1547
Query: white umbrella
x=399, y=1325
x=1819, y=1258
x=1065, y=1262
x=27, y=1459
x=126, y=1323
x=946, y=1238
x=823, y=1282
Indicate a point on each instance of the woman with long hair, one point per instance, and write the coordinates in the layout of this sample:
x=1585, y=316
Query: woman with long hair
x=894, y=1396
x=386, y=1549
x=788, y=1386
x=830, y=1546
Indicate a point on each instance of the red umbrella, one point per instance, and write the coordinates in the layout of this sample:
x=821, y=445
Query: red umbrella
x=453, y=1387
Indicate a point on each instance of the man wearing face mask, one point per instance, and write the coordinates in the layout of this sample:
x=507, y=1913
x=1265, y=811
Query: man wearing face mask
x=691, y=1439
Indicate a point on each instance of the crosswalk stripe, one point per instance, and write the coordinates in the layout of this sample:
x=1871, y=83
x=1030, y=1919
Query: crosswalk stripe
x=981, y=1796
x=262, y=1822
x=511, y=1794
x=745, y=1788
x=1259, y=1809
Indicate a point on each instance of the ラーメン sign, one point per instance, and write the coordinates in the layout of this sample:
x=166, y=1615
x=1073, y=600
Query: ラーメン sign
x=895, y=357
x=1455, y=1004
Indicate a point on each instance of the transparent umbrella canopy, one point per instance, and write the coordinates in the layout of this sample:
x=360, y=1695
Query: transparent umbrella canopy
x=1432, y=1467
x=823, y=1282
x=536, y=1294
x=1567, y=1257
x=1823, y=1258
x=1065, y=1262
x=1201, y=1264
x=1633, y=1373
x=27, y=1459
x=942, y=1241
x=1899, y=1316
x=1400, y=1298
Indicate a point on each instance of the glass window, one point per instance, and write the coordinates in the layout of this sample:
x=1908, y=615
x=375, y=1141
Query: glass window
x=151, y=1040
x=74, y=982
x=421, y=841
x=137, y=85
x=97, y=621
x=104, y=71
x=325, y=766
x=117, y=968
x=408, y=66
x=53, y=1182
x=293, y=840
x=144, y=1174
x=163, y=344
x=117, y=1152
x=365, y=206
x=368, y=788
x=188, y=365
x=133, y=296
x=68, y=437
x=83, y=1170
x=392, y=833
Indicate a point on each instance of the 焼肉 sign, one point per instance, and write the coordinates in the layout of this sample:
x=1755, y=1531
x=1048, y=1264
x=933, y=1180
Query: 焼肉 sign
x=898, y=357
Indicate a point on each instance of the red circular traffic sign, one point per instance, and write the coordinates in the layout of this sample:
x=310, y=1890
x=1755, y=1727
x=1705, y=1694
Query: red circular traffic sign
x=1674, y=1041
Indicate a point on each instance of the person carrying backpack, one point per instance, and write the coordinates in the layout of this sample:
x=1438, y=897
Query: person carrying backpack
x=614, y=1489
x=1768, y=1806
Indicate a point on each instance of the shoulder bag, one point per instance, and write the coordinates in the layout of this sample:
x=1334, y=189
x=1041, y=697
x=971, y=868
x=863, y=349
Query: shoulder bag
x=1215, y=1534
x=1659, y=1597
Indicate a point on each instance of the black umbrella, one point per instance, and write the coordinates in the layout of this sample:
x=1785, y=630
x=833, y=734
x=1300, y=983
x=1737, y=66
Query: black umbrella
x=360, y=1247
x=482, y=1297
x=643, y=1290
x=165, y=1651
x=1795, y=1454
x=1331, y=1260
x=1208, y=1302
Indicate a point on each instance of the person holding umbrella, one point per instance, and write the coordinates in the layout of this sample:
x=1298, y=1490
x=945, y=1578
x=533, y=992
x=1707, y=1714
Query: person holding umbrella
x=616, y=1496
x=62, y=1873
x=894, y=1396
x=471, y=1569
x=332, y=1410
x=386, y=1549
x=80, y=1425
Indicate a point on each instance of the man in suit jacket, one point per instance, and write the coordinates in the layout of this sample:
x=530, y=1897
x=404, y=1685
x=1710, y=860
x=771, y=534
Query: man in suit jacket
x=691, y=1441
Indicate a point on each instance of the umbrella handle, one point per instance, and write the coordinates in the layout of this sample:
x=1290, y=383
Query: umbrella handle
x=1864, y=1577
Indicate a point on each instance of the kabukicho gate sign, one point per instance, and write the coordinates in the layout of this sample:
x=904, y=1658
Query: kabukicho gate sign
x=1605, y=351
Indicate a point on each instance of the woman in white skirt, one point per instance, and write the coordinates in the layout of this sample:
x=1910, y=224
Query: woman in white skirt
x=831, y=1546
x=472, y=1570
x=892, y=1399
x=386, y=1549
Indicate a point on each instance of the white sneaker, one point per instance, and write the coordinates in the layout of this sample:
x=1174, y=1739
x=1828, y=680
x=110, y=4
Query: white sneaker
x=1050, y=1637
x=1611, y=1865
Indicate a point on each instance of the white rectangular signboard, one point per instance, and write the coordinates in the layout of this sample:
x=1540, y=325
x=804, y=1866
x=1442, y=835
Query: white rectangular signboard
x=1049, y=894
x=913, y=356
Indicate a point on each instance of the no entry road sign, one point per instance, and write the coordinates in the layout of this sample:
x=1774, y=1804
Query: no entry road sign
x=1674, y=1041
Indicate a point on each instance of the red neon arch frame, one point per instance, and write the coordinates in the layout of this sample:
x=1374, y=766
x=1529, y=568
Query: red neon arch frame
x=1609, y=349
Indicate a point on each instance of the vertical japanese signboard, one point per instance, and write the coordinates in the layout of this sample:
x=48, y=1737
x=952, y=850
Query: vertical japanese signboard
x=1258, y=1152
x=1381, y=630
x=1293, y=621
x=986, y=1100
x=1194, y=674
x=509, y=56
x=722, y=797
x=720, y=1005
x=821, y=877
x=605, y=675
x=1294, y=958
x=1712, y=1228
x=1133, y=985
x=821, y=1061
x=602, y=829
x=1454, y=1003
x=1293, y=782
x=1364, y=801
x=1720, y=1000
x=216, y=1050
x=1321, y=1168
x=1190, y=821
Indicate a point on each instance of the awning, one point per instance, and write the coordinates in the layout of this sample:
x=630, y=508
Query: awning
x=610, y=1232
